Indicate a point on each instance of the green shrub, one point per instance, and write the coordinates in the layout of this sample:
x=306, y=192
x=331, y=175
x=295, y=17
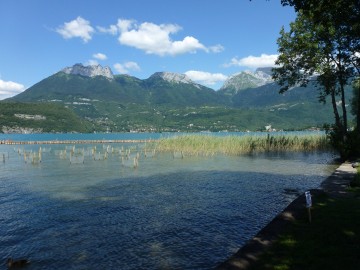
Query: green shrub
x=355, y=183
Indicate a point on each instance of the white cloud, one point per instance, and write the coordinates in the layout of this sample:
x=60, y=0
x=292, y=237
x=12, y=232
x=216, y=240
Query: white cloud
x=125, y=25
x=100, y=56
x=155, y=39
x=79, y=27
x=264, y=60
x=92, y=62
x=206, y=78
x=217, y=48
x=132, y=65
x=9, y=89
x=125, y=68
x=112, y=30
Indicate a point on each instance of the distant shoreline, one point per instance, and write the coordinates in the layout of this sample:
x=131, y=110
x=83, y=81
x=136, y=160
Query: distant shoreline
x=11, y=142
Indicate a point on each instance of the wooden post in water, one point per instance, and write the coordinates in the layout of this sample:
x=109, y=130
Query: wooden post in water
x=308, y=203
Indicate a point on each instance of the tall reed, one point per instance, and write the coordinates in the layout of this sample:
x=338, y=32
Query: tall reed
x=236, y=145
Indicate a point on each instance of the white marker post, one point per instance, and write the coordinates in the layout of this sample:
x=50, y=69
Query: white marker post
x=308, y=203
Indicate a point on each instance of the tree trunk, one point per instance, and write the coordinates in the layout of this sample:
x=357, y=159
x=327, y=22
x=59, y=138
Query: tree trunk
x=343, y=106
x=335, y=110
x=358, y=108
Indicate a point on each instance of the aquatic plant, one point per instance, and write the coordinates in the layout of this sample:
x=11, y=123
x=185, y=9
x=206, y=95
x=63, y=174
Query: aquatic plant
x=36, y=157
x=77, y=158
x=149, y=152
x=100, y=156
x=235, y=145
x=130, y=161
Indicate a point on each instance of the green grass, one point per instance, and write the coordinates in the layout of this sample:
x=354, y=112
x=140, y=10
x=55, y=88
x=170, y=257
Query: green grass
x=355, y=183
x=236, y=145
x=331, y=241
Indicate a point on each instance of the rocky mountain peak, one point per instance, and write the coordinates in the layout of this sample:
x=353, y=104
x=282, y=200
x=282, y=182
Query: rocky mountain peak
x=173, y=77
x=247, y=79
x=267, y=70
x=89, y=71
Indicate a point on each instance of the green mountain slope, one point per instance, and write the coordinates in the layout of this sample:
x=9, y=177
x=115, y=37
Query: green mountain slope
x=40, y=117
x=172, y=102
x=123, y=89
x=69, y=87
x=176, y=93
x=268, y=95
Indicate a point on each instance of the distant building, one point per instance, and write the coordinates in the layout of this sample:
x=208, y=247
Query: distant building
x=269, y=128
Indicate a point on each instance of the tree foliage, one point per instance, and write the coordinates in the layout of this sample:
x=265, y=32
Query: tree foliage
x=355, y=108
x=338, y=18
x=323, y=44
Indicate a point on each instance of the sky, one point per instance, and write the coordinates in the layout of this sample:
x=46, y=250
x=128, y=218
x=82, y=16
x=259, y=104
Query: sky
x=208, y=40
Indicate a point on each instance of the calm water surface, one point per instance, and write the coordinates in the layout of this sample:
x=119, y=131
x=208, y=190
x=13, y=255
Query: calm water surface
x=189, y=213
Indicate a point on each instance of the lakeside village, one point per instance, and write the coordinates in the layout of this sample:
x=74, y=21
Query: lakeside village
x=136, y=129
x=18, y=130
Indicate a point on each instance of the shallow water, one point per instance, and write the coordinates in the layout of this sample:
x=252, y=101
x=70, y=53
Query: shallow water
x=189, y=213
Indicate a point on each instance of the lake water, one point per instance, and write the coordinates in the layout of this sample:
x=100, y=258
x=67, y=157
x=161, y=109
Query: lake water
x=130, y=136
x=168, y=213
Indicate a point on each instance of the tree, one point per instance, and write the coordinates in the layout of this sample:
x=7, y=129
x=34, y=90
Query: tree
x=355, y=108
x=344, y=15
x=323, y=44
x=341, y=16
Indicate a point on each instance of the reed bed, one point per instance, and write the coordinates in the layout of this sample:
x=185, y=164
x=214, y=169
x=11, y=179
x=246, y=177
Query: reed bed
x=207, y=145
x=128, y=156
x=4, y=156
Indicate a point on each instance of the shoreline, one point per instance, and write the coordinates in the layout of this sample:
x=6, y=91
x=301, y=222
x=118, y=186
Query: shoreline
x=335, y=186
x=9, y=142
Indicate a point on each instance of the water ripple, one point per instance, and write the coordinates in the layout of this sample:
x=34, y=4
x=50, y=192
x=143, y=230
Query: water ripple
x=175, y=217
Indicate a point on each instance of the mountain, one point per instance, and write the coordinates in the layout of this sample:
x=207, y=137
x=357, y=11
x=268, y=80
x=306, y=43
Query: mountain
x=174, y=78
x=77, y=83
x=89, y=71
x=268, y=95
x=246, y=80
x=173, y=89
x=173, y=102
x=67, y=87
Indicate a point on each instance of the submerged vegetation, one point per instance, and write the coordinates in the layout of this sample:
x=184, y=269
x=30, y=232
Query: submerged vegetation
x=236, y=145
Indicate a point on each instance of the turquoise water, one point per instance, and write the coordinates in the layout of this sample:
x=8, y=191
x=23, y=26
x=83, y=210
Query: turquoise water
x=130, y=136
x=167, y=213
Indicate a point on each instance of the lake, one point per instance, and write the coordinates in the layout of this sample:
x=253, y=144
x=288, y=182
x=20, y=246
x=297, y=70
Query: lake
x=100, y=212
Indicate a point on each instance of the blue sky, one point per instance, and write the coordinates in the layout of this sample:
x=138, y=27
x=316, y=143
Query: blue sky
x=207, y=40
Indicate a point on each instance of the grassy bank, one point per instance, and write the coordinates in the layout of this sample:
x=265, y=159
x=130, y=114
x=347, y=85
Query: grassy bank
x=355, y=183
x=331, y=241
x=236, y=145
